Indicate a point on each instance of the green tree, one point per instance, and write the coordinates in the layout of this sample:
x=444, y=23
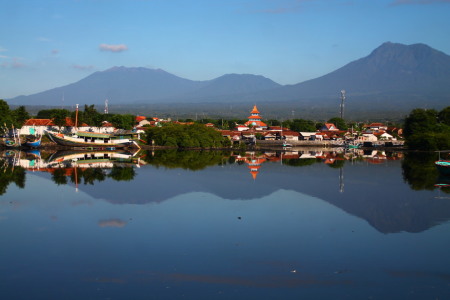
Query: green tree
x=20, y=115
x=122, y=121
x=5, y=114
x=427, y=130
x=420, y=121
x=303, y=125
x=444, y=116
x=59, y=118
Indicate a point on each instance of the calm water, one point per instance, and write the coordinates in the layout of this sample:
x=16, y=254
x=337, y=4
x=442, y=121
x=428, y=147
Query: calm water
x=220, y=226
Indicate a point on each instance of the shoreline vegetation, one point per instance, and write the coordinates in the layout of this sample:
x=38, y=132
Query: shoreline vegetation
x=423, y=129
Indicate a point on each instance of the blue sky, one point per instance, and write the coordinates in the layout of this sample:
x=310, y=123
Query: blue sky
x=50, y=43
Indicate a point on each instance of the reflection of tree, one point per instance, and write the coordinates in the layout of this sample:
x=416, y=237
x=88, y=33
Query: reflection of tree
x=59, y=176
x=337, y=164
x=419, y=170
x=9, y=175
x=91, y=175
x=191, y=160
x=122, y=173
x=300, y=162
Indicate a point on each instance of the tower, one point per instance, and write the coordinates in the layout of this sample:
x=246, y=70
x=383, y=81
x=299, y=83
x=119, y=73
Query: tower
x=342, y=103
x=106, y=106
x=255, y=119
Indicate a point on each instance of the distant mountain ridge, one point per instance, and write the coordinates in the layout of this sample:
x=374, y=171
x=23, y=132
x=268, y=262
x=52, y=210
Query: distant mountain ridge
x=392, y=76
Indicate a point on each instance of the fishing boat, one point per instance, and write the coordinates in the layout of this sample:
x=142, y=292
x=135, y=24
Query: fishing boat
x=90, y=139
x=32, y=141
x=443, y=166
x=353, y=145
x=13, y=141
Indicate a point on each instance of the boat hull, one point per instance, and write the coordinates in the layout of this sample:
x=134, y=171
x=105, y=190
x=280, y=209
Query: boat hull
x=443, y=167
x=33, y=144
x=64, y=140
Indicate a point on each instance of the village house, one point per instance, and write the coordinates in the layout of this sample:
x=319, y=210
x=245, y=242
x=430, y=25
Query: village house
x=37, y=127
x=329, y=127
x=310, y=136
x=376, y=127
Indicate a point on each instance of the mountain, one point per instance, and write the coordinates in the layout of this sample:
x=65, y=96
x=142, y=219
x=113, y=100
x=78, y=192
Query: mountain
x=393, y=76
x=119, y=84
x=142, y=85
x=391, y=68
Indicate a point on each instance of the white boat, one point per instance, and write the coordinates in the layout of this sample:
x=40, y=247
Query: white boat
x=90, y=139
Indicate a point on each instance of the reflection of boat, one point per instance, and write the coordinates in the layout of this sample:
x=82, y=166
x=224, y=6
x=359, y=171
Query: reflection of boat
x=91, y=158
x=90, y=139
x=353, y=145
x=286, y=145
x=443, y=166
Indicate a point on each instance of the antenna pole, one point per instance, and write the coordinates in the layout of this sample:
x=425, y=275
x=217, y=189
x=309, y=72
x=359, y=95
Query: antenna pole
x=342, y=103
x=106, y=106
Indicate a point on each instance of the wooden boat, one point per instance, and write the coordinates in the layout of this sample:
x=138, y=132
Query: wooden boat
x=443, y=166
x=32, y=141
x=90, y=139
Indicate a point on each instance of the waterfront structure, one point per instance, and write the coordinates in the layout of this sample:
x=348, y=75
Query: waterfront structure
x=254, y=120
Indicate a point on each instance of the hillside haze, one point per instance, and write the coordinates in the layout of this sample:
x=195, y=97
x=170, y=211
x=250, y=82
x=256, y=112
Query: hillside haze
x=393, y=76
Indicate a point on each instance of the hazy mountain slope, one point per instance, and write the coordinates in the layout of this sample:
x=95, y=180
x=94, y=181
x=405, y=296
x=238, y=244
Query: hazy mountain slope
x=393, y=76
x=391, y=68
x=119, y=84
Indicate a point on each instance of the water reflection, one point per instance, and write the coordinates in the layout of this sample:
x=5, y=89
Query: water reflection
x=374, y=190
x=222, y=225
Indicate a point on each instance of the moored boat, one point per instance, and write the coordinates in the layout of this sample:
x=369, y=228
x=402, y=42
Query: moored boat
x=90, y=139
x=443, y=166
x=32, y=141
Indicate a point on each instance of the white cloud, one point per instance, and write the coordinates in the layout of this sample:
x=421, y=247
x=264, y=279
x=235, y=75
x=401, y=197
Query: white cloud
x=83, y=68
x=43, y=39
x=113, y=48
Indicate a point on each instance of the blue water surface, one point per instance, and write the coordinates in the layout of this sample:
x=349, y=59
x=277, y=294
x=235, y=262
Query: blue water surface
x=312, y=232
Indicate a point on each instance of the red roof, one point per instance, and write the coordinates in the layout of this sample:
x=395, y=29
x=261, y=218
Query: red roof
x=140, y=118
x=38, y=122
x=255, y=110
x=48, y=122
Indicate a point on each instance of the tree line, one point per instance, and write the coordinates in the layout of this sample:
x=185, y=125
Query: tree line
x=428, y=129
x=88, y=115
